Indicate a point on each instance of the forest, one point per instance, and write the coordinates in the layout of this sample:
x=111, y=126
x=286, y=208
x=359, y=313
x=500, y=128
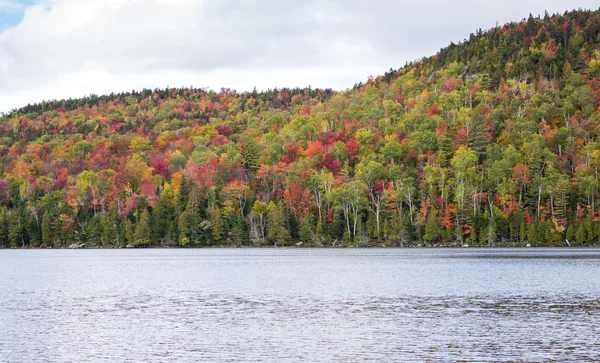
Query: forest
x=490, y=142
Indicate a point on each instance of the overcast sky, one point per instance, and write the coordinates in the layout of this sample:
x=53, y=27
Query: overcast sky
x=52, y=49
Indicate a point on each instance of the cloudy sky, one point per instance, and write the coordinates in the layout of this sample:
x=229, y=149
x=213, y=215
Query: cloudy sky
x=52, y=49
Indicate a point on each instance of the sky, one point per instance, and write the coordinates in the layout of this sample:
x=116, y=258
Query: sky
x=54, y=49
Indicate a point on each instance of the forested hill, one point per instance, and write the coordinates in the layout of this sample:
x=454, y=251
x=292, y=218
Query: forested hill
x=493, y=141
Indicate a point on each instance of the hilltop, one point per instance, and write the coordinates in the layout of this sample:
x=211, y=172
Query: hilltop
x=489, y=142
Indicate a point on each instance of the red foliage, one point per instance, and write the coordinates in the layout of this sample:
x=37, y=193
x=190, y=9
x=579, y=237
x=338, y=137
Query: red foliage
x=291, y=155
x=159, y=166
x=446, y=219
x=331, y=163
x=433, y=110
x=379, y=186
x=218, y=140
x=314, y=148
x=352, y=148
x=449, y=85
x=462, y=136
x=224, y=130
x=148, y=190
x=528, y=217
x=119, y=148
x=305, y=110
x=297, y=199
x=62, y=179
x=521, y=173
x=100, y=158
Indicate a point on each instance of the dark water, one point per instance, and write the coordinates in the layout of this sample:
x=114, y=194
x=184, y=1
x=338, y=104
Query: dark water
x=337, y=305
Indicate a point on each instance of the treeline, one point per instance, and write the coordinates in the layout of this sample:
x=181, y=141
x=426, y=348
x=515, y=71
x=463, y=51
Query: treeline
x=493, y=141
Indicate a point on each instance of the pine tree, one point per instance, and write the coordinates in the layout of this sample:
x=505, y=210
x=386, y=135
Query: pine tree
x=306, y=231
x=162, y=221
x=216, y=221
x=552, y=236
x=141, y=236
x=47, y=233
x=189, y=221
x=251, y=156
x=570, y=234
x=588, y=225
x=522, y=231
x=3, y=228
x=580, y=234
x=128, y=231
x=108, y=224
x=433, y=228
x=184, y=227
x=532, y=236
x=473, y=239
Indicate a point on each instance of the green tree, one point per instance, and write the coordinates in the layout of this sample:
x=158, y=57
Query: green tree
x=47, y=232
x=141, y=236
x=278, y=231
x=434, y=231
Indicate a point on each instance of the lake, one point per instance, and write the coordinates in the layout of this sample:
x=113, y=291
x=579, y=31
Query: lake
x=316, y=305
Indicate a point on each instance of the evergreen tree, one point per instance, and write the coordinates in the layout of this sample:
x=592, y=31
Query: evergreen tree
x=580, y=234
x=532, y=236
x=141, y=236
x=433, y=228
x=47, y=233
x=251, y=156
x=109, y=225
x=570, y=234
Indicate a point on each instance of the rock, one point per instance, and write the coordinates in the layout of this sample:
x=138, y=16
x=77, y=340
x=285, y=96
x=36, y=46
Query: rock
x=170, y=243
x=465, y=245
x=130, y=246
x=528, y=245
x=432, y=76
x=299, y=244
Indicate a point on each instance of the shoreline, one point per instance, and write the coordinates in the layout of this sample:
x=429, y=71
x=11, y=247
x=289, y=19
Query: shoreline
x=307, y=247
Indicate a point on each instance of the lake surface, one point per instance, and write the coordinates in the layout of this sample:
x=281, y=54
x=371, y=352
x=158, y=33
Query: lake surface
x=329, y=305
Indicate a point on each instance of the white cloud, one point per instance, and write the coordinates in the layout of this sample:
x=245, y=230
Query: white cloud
x=69, y=48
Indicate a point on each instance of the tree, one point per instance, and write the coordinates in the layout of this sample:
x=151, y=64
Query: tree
x=251, y=155
x=109, y=226
x=239, y=191
x=371, y=174
x=433, y=228
x=349, y=198
x=47, y=233
x=189, y=220
x=278, y=231
x=141, y=236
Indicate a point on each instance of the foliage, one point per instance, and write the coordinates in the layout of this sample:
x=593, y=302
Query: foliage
x=492, y=141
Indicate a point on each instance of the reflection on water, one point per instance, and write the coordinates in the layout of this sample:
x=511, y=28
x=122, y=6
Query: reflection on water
x=300, y=305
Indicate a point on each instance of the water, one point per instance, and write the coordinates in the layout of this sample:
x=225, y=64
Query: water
x=337, y=305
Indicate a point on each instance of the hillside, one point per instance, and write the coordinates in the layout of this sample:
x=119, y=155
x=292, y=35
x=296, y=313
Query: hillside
x=493, y=141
